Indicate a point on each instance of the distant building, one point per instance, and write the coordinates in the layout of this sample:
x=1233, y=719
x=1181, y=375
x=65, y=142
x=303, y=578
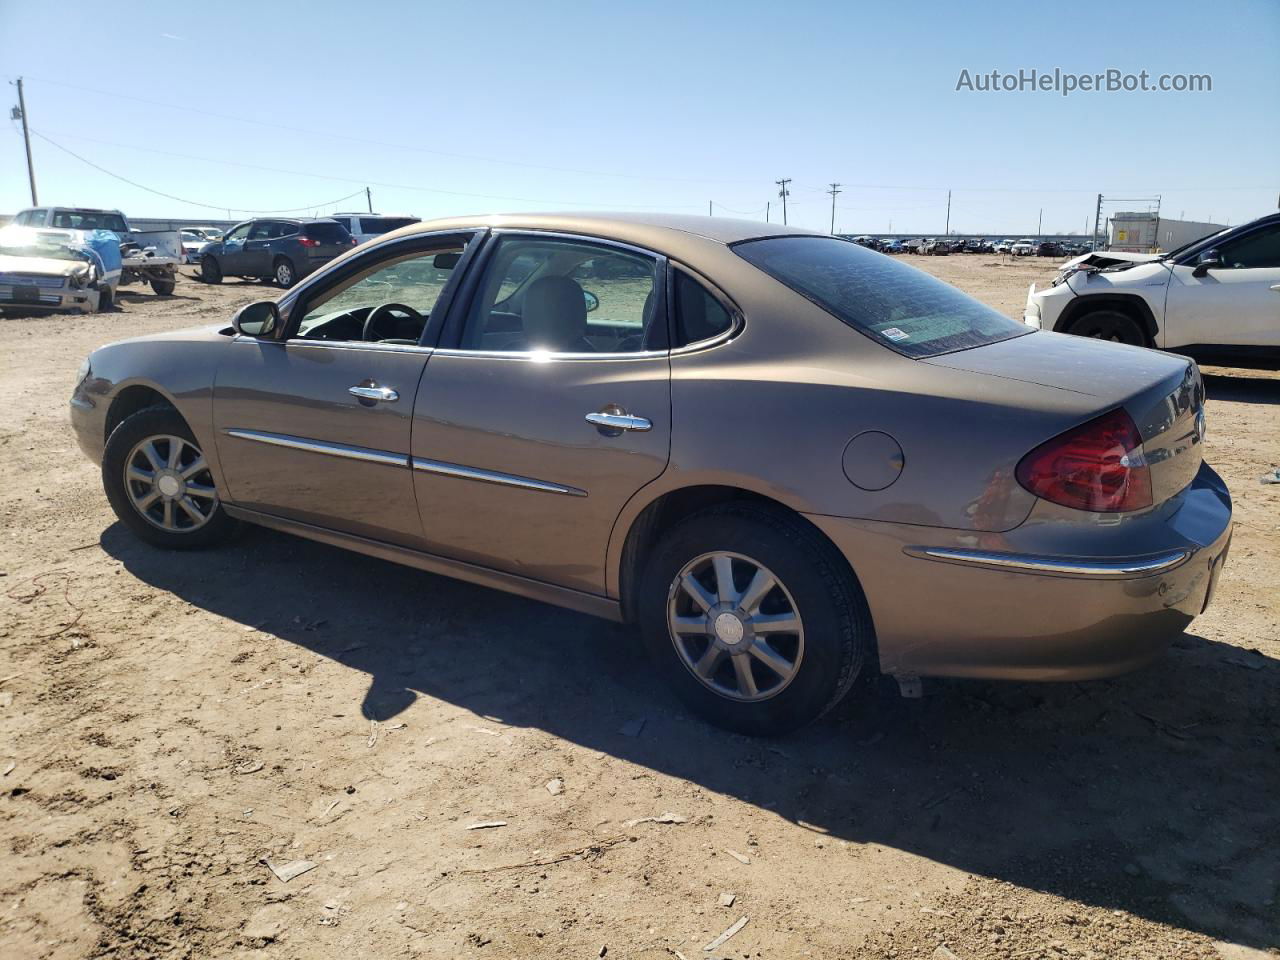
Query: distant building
x=1149, y=232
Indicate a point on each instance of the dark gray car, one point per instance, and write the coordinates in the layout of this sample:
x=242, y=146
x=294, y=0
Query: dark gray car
x=281, y=250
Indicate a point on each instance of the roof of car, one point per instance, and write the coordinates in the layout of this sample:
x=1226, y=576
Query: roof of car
x=646, y=229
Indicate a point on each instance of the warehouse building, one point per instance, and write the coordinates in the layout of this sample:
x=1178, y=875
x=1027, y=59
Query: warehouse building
x=1148, y=232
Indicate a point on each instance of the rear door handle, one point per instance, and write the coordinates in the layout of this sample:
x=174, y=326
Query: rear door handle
x=1276, y=288
x=366, y=391
x=619, y=422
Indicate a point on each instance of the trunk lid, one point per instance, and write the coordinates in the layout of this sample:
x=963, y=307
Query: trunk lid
x=1163, y=393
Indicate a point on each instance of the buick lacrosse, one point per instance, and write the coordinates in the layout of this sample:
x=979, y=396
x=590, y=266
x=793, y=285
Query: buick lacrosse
x=787, y=458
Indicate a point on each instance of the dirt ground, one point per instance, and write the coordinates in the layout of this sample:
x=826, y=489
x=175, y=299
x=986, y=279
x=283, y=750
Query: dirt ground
x=169, y=724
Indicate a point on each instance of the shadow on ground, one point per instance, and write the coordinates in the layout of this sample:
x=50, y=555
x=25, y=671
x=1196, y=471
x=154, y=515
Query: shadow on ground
x=1242, y=389
x=1154, y=793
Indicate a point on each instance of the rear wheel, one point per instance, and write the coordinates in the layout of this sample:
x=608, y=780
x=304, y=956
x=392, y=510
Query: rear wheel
x=163, y=288
x=753, y=619
x=1110, y=325
x=159, y=483
x=210, y=270
x=284, y=273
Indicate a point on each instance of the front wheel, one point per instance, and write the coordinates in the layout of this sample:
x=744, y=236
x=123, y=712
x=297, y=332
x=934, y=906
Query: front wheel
x=163, y=288
x=210, y=270
x=159, y=483
x=753, y=618
x=1109, y=325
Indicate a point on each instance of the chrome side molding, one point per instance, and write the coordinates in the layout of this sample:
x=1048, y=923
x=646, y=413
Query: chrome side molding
x=1055, y=566
x=492, y=476
x=401, y=460
x=320, y=446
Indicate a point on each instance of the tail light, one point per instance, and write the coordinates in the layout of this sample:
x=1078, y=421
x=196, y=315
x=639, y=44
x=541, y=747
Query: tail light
x=1098, y=466
x=308, y=241
x=354, y=241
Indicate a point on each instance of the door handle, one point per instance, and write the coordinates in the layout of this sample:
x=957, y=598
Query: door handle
x=1276, y=288
x=378, y=394
x=619, y=422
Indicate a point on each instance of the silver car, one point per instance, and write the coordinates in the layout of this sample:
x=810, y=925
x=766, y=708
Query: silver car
x=788, y=459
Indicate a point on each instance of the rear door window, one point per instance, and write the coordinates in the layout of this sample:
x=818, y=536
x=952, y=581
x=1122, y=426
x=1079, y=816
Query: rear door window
x=895, y=305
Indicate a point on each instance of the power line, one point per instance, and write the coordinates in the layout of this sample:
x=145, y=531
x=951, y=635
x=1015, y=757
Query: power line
x=364, y=180
x=331, y=135
x=194, y=203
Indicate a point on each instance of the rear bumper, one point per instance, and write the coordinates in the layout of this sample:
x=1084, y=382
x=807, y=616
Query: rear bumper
x=1008, y=606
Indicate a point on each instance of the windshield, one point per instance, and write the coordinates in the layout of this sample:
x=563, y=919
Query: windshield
x=898, y=306
x=1207, y=241
x=16, y=241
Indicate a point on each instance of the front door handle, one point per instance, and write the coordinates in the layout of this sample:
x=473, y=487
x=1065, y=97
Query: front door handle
x=367, y=391
x=1276, y=288
x=617, y=422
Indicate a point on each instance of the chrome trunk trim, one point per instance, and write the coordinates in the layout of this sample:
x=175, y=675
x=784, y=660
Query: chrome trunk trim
x=1056, y=566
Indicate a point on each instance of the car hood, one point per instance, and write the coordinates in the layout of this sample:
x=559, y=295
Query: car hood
x=44, y=266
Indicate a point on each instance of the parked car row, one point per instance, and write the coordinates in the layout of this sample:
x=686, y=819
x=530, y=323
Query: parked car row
x=940, y=246
x=286, y=250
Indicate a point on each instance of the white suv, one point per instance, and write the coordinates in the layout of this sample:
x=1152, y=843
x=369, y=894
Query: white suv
x=1216, y=300
x=370, y=226
x=1023, y=248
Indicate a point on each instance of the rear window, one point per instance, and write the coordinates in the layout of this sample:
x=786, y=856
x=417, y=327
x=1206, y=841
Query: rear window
x=88, y=220
x=896, y=305
x=327, y=232
x=384, y=224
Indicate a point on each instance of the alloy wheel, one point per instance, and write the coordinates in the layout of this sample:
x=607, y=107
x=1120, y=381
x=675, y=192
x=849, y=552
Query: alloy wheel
x=284, y=274
x=169, y=484
x=735, y=626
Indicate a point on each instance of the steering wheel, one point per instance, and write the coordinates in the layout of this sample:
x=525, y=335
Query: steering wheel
x=383, y=311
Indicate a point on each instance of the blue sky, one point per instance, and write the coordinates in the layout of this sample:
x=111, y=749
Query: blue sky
x=484, y=107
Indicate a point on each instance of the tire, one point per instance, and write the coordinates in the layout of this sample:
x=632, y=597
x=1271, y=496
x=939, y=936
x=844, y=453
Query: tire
x=106, y=302
x=1110, y=325
x=163, y=288
x=284, y=272
x=210, y=270
x=165, y=428
x=812, y=581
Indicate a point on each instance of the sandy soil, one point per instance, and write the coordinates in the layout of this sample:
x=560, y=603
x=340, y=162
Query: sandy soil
x=171, y=723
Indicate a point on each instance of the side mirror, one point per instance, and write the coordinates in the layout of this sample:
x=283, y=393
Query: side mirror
x=592, y=300
x=260, y=319
x=1206, y=262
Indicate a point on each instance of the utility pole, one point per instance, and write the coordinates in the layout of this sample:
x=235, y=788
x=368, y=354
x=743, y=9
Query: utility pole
x=21, y=112
x=782, y=192
x=948, y=227
x=368, y=196
x=767, y=205
x=1040, y=223
x=709, y=213
x=1097, y=222
x=835, y=189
